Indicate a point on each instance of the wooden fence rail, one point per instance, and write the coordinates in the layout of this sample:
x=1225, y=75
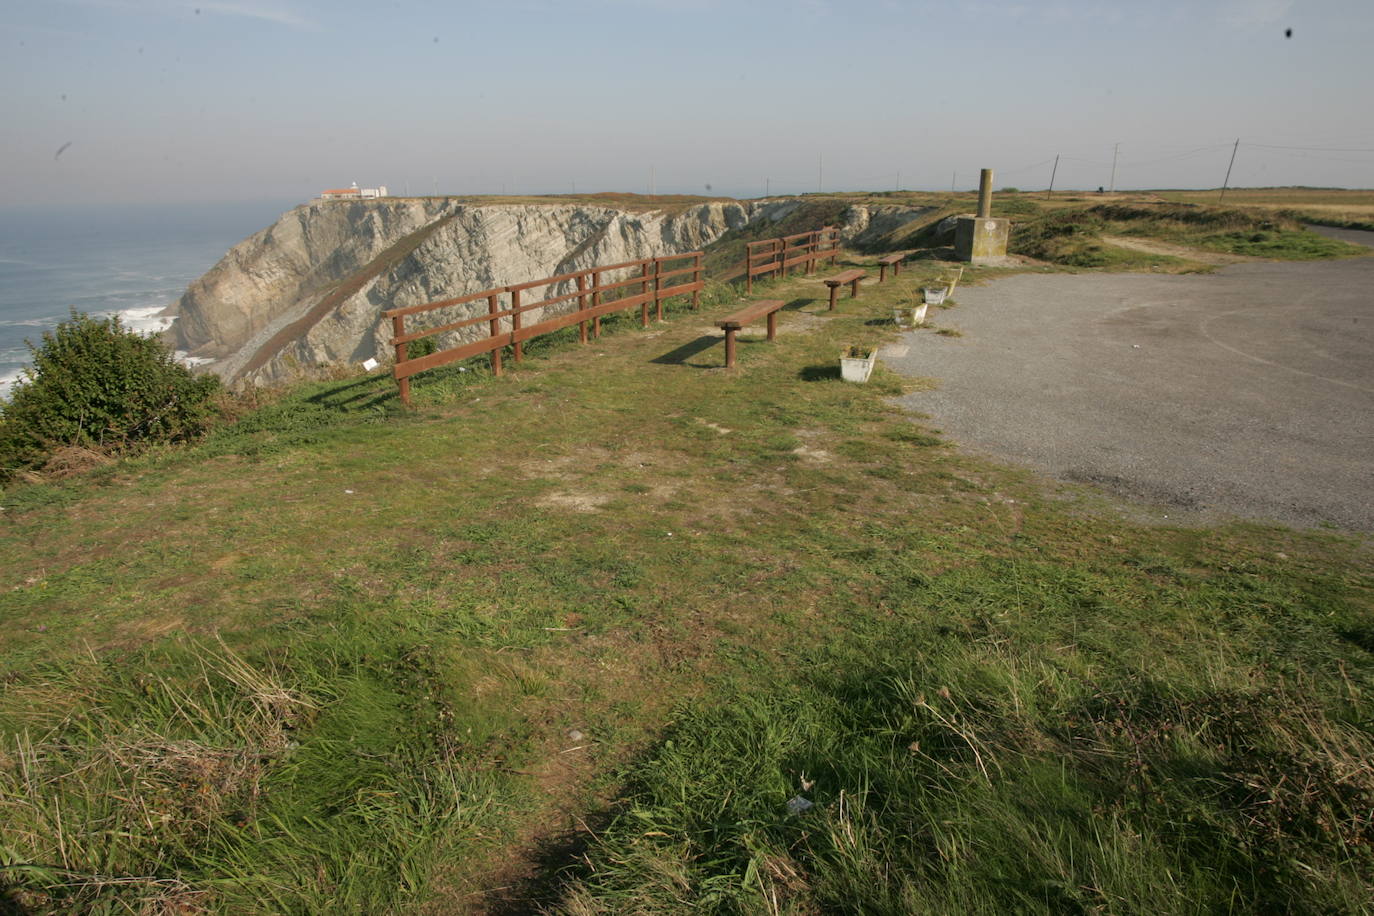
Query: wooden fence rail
x=778, y=256
x=507, y=307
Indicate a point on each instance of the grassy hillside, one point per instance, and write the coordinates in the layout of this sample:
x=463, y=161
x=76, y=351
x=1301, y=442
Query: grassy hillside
x=575, y=638
x=1083, y=236
x=1325, y=206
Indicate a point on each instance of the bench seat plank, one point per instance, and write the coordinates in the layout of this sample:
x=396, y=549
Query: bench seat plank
x=848, y=276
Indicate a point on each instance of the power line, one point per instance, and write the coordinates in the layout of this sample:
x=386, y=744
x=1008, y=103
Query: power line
x=1192, y=152
x=1315, y=149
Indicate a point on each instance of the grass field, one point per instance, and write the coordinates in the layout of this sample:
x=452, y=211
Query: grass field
x=590, y=636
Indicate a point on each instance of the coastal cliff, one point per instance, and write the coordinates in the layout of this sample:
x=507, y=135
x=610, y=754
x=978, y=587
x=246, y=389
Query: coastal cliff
x=308, y=291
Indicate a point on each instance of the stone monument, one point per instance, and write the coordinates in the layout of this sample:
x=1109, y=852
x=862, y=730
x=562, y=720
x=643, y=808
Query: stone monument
x=981, y=239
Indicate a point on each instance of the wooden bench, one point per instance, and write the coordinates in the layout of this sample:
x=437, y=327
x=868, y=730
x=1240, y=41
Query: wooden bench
x=731, y=324
x=852, y=277
x=890, y=260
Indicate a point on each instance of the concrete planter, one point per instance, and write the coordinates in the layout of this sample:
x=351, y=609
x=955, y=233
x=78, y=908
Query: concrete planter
x=934, y=295
x=856, y=363
x=909, y=316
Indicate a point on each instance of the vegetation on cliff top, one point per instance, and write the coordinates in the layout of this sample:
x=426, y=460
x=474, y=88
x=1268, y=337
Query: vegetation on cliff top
x=97, y=387
x=1075, y=237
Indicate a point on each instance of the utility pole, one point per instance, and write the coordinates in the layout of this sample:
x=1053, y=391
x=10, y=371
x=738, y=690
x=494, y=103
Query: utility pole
x=952, y=176
x=1116, y=149
x=651, y=179
x=1227, y=180
x=767, y=187
x=898, y=186
x=1053, y=172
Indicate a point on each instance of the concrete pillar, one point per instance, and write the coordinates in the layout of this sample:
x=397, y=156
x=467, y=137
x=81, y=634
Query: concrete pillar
x=981, y=239
x=985, y=194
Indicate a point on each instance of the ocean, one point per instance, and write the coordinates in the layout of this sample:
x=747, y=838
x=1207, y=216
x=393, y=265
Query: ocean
x=130, y=260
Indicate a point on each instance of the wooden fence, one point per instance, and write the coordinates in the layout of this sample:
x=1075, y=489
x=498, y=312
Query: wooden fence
x=778, y=256
x=507, y=306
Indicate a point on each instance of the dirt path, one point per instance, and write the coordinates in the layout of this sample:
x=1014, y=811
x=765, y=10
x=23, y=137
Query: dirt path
x=1152, y=246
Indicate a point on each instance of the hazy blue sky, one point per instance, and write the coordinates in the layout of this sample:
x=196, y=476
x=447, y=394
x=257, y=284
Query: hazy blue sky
x=207, y=100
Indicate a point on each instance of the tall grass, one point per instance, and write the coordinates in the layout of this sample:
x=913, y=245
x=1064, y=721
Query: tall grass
x=317, y=780
x=1014, y=742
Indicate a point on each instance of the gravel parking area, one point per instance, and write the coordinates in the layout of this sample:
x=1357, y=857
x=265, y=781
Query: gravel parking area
x=1248, y=392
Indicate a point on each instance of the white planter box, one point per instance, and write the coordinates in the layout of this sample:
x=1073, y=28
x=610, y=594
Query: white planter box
x=855, y=368
x=934, y=295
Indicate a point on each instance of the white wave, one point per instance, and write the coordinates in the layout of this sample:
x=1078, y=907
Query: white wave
x=7, y=380
x=46, y=322
x=145, y=319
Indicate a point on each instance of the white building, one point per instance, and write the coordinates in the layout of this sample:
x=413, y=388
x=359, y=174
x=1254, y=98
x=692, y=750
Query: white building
x=354, y=193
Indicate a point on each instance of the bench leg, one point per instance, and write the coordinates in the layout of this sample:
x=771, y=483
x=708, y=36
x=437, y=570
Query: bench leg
x=854, y=289
x=772, y=324
x=833, y=290
x=882, y=272
x=896, y=268
x=730, y=348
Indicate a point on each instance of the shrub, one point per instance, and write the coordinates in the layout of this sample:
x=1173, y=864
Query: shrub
x=425, y=346
x=95, y=384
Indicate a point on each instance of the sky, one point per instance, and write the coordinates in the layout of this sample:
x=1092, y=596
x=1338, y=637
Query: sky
x=216, y=100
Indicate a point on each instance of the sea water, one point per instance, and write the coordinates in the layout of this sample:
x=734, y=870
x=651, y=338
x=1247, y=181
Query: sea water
x=131, y=260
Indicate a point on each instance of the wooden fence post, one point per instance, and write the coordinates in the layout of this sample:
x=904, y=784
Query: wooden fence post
x=398, y=330
x=596, y=300
x=494, y=306
x=515, y=323
x=582, y=306
x=644, y=293
x=658, y=285
x=696, y=280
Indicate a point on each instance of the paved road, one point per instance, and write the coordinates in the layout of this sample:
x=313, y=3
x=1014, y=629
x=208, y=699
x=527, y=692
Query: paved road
x=1248, y=392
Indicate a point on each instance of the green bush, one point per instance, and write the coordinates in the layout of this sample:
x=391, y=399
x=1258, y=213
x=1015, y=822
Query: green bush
x=422, y=347
x=95, y=384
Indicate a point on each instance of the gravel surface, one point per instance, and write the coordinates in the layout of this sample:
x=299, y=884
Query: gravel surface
x=1248, y=392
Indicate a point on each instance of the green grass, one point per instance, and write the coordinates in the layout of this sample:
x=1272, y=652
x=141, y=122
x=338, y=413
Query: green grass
x=329, y=659
x=187, y=778
x=1020, y=736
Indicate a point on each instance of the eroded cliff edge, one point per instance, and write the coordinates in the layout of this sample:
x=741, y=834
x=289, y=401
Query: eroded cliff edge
x=308, y=291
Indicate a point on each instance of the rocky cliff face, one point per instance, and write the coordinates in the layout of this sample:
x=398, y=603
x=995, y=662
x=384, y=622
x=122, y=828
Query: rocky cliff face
x=309, y=290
